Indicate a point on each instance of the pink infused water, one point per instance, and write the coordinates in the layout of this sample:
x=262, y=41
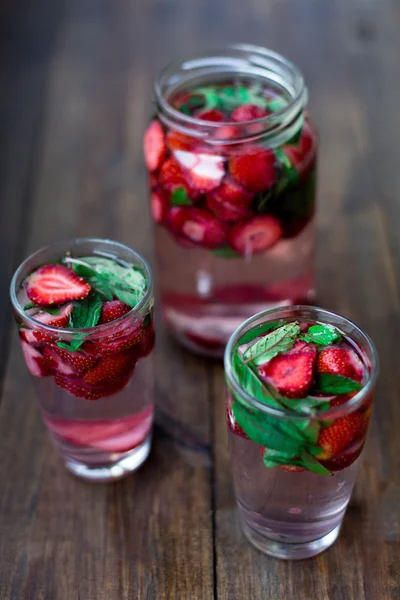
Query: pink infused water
x=86, y=328
x=295, y=453
x=231, y=156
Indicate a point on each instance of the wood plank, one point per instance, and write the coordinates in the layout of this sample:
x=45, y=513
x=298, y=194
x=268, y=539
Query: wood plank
x=151, y=535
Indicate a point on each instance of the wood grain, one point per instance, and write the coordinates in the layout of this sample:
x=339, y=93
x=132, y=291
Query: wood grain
x=77, y=78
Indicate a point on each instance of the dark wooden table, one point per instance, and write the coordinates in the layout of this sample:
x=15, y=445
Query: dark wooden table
x=75, y=96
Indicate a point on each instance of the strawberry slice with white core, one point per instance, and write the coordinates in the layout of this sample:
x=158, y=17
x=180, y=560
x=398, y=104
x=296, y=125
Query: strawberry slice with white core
x=36, y=363
x=55, y=284
x=60, y=320
x=27, y=335
x=257, y=235
x=200, y=227
x=118, y=435
x=204, y=171
x=59, y=365
x=155, y=146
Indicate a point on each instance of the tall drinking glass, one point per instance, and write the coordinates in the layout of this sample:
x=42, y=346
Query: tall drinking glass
x=300, y=385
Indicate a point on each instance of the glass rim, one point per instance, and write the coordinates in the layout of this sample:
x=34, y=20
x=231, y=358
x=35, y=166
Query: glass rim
x=336, y=411
x=63, y=331
x=296, y=103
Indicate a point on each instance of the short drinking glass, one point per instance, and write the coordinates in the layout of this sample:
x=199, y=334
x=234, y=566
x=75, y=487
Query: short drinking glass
x=84, y=312
x=300, y=384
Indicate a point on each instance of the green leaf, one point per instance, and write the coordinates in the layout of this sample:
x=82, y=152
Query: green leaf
x=225, y=252
x=294, y=141
x=312, y=464
x=290, y=175
x=30, y=305
x=256, y=332
x=263, y=200
x=276, y=104
x=329, y=383
x=146, y=320
x=74, y=345
x=85, y=314
x=184, y=109
x=179, y=197
x=261, y=429
x=323, y=335
x=305, y=406
x=210, y=95
x=279, y=340
x=251, y=383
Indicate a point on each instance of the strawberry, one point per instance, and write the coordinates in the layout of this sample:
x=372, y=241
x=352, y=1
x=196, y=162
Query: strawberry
x=227, y=132
x=179, y=141
x=173, y=177
x=291, y=374
x=79, y=388
x=116, y=435
x=248, y=112
x=56, y=363
x=60, y=320
x=110, y=369
x=254, y=236
x=159, y=206
x=147, y=342
x=27, y=335
x=300, y=154
x=154, y=145
x=215, y=116
x=345, y=458
x=233, y=426
x=153, y=181
x=80, y=361
x=204, y=172
x=112, y=310
x=200, y=227
x=334, y=438
x=117, y=344
x=301, y=346
x=38, y=365
x=55, y=284
x=254, y=169
x=340, y=360
x=230, y=201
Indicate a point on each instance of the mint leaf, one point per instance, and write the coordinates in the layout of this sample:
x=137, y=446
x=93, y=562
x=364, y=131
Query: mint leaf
x=29, y=305
x=210, y=95
x=322, y=335
x=281, y=457
x=179, y=197
x=263, y=200
x=251, y=383
x=225, y=252
x=290, y=175
x=184, y=109
x=312, y=464
x=329, y=383
x=256, y=332
x=261, y=430
x=279, y=340
x=74, y=345
x=85, y=314
x=307, y=405
x=276, y=104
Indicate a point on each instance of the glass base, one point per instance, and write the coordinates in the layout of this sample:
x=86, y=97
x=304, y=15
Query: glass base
x=118, y=469
x=289, y=551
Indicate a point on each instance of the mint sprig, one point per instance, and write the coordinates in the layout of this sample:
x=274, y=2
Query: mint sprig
x=85, y=314
x=329, y=383
x=278, y=341
x=323, y=335
x=110, y=279
x=256, y=332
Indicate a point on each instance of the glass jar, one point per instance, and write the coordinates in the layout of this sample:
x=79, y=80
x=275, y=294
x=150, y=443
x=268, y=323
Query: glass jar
x=231, y=156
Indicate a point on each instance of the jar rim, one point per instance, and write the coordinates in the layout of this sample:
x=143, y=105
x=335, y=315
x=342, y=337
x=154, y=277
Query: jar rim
x=63, y=331
x=352, y=404
x=232, y=56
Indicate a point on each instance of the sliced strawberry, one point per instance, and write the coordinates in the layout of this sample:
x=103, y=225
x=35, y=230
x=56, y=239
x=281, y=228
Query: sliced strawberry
x=230, y=201
x=79, y=388
x=147, y=342
x=116, y=435
x=248, y=112
x=214, y=116
x=112, y=310
x=159, y=206
x=345, y=458
x=291, y=468
x=257, y=235
x=27, y=335
x=291, y=374
x=179, y=141
x=154, y=145
x=38, y=365
x=301, y=346
x=204, y=172
x=254, y=169
x=340, y=360
x=60, y=320
x=56, y=363
x=153, y=181
x=334, y=438
x=233, y=425
x=172, y=177
x=200, y=227
x=110, y=369
x=79, y=360
x=55, y=284
x=300, y=154
x=115, y=345
x=227, y=132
